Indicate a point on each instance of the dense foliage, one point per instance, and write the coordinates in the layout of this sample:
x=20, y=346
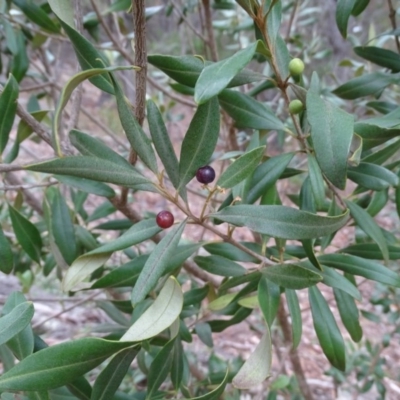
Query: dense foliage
x=301, y=197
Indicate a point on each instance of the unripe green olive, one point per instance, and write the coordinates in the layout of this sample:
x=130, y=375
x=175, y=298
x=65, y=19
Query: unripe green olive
x=296, y=106
x=296, y=67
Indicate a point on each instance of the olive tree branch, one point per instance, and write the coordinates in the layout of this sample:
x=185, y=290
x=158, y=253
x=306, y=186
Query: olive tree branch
x=392, y=17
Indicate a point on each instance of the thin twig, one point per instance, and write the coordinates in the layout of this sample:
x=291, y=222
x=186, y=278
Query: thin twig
x=10, y=167
x=292, y=18
x=210, y=30
x=6, y=188
x=392, y=17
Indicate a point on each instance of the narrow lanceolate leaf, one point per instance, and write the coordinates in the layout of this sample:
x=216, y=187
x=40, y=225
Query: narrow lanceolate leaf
x=91, y=168
x=295, y=315
x=111, y=377
x=331, y=132
x=15, y=321
x=348, y=313
x=382, y=57
x=266, y=175
x=156, y=264
x=281, y=221
x=89, y=57
x=317, y=181
x=291, y=276
x=6, y=255
x=63, y=228
x=369, y=226
x=327, y=331
x=86, y=185
x=80, y=269
x=37, y=15
x=162, y=142
x=220, y=266
x=242, y=168
x=42, y=395
x=258, y=366
x=269, y=296
x=8, y=107
x=200, y=141
x=187, y=69
x=248, y=112
x=88, y=145
x=21, y=344
x=372, y=176
x=64, y=10
x=27, y=234
x=216, y=77
x=134, y=132
x=366, y=85
x=371, y=251
x=159, y=368
x=60, y=364
x=361, y=267
x=67, y=92
x=344, y=9
x=160, y=315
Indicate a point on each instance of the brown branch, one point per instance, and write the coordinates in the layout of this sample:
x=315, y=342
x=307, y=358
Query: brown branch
x=210, y=30
x=392, y=17
x=294, y=355
x=10, y=167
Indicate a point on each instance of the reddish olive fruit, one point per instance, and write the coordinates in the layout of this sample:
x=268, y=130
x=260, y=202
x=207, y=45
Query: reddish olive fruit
x=165, y=219
x=205, y=174
x=296, y=106
x=296, y=67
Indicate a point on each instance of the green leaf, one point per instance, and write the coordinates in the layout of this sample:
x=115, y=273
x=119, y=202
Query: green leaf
x=27, y=234
x=240, y=315
x=60, y=364
x=23, y=132
x=269, y=296
x=134, y=132
x=382, y=57
x=248, y=112
x=43, y=395
x=266, y=175
x=231, y=252
x=195, y=296
x=15, y=321
x=162, y=142
x=187, y=69
x=21, y=344
x=383, y=155
x=66, y=93
x=89, y=262
x=86, y=185
x=159, y=368
x=159, y=316
x=90, y=146
x=295, y=316
x=221, y=302
x=6, y=255
x=203, y=331
x=291, y=276
x=156, y=264
x=348, y=313
x=317, y=181
x=365, y=85
x=63, y=9
x=89, y=58
x=217, y=392
x=344, y=9
x=369, y=226
x=361, y=267
x=178, y=364
x=331, y=133
x=240, y=169
x=111, y=377
x=8, y=107
x=371, y=251
x=376, y=131
x=327, y=331
x=37, y=15
x=281, y=222
x=216, y=77
x=218, y=265
x=20, y=63
x=257, y=367
x=91, y=168
x=372, y=176
x=200, y=141
x=63, y=228
x=359, y=7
